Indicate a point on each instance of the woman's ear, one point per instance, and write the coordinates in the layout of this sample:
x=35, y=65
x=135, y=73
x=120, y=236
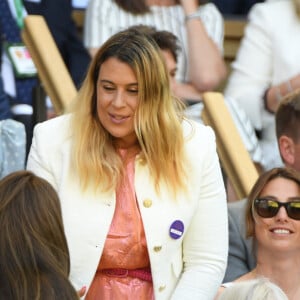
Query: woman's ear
x=287, y=150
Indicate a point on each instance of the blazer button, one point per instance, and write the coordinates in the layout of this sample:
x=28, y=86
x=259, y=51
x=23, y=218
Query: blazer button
x=157, y=248
x=161, y=288
x=147, y=203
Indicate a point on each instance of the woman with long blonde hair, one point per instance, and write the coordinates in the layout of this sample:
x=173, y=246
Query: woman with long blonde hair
x=141, y=188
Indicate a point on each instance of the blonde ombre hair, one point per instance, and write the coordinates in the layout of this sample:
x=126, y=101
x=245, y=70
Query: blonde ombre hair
x=157, y=119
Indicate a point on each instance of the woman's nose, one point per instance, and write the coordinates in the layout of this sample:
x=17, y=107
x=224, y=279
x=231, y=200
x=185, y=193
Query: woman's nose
x=119, y=99
x=282, y=214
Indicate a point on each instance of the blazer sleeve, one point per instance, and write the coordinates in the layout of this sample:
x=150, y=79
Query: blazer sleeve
x=252, y=69
x=45, y=158
x=205, y=246
x=240, y=257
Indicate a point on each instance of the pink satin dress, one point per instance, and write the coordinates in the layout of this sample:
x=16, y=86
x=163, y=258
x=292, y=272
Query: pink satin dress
x=125, y=247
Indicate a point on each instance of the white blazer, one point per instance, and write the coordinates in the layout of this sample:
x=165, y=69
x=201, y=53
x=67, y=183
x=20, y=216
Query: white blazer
x=190, y=267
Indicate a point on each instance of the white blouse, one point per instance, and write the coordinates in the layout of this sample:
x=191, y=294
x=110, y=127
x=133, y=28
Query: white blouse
x=104, y=18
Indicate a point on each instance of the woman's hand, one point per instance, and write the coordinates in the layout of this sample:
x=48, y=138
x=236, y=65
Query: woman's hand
x=274, y=94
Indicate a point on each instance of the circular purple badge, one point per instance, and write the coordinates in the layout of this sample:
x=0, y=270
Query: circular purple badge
x=176, y=229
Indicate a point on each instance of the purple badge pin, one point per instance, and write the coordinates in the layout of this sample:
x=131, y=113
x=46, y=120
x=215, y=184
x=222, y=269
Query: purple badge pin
x=176, y=229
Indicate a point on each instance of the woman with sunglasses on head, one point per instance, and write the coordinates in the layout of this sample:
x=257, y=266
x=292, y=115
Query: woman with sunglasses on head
x=273, y=220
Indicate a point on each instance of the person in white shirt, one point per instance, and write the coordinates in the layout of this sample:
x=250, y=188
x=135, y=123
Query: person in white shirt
x=266, y=68
x=198, y=28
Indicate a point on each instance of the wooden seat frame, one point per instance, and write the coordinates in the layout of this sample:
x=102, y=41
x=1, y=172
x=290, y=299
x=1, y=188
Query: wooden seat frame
x=234, y=157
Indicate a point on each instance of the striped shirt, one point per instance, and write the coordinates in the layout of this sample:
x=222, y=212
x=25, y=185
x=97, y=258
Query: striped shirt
x=104, y=18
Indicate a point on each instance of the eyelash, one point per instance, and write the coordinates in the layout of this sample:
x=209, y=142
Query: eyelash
x=133, y=91
x=108, y=88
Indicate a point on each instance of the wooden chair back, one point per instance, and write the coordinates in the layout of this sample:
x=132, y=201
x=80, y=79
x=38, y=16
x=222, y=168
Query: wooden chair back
x=51, y=68
x=233, y=34
x=234, y=157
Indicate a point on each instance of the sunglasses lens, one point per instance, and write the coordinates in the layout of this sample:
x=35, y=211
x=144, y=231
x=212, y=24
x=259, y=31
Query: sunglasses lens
x=294, y=210
x=266, y=208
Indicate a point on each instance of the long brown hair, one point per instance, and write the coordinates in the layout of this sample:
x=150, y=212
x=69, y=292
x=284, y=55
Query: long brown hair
x=34, y=256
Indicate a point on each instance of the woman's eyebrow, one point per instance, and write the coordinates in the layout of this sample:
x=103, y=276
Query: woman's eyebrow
x=135, y=84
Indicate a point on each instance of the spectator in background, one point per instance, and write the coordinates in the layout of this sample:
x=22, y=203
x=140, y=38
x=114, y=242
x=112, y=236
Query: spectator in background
x=169, y=45
x=12, y=146
x=58, y=16
x=19, y=87
x=198, y=28
x=266, y=68
x=170, y=48
x=34, y=255
x=5, y=110
x=273, y=221
x=12, y=133
x=241, y=258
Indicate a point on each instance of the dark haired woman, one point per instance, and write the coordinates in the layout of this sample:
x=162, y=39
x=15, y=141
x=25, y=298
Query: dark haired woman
x=34, y=256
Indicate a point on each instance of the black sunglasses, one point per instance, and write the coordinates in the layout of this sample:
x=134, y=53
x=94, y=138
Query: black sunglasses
x=268, y=207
